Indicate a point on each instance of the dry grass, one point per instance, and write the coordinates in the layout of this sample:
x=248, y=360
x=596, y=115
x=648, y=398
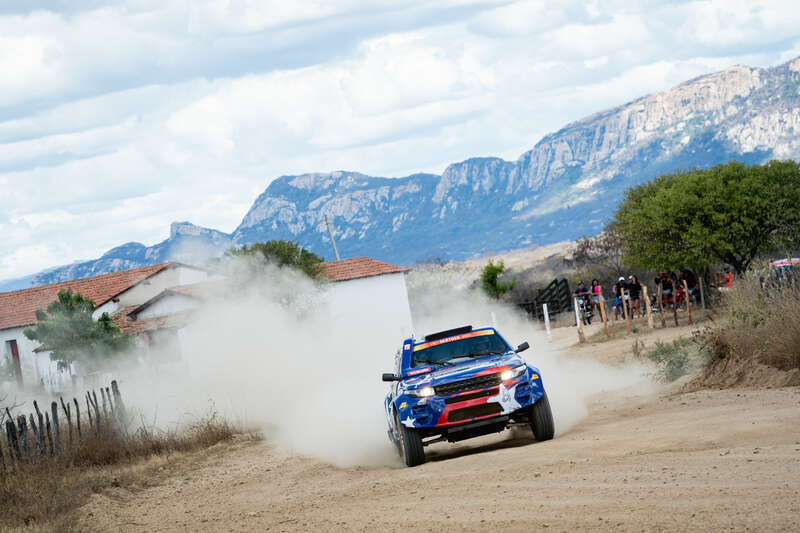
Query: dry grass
x=45, y=495
x=758, y=327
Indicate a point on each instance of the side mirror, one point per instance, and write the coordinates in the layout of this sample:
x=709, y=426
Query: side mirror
x=522, y=347
x=390, y=377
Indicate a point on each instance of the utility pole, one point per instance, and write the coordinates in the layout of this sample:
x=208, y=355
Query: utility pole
x=333, y=242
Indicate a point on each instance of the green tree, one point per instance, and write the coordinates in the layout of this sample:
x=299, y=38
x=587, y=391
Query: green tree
x=69, y=332
x=730, y=213
x=282, y=253
x=490, y=283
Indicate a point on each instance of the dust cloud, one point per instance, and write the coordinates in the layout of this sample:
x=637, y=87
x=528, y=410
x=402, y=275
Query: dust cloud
x=269, y=355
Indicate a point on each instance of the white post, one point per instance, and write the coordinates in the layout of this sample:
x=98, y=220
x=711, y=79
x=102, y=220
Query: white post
x=494, y=320
x=581, y=337
x=547, y=322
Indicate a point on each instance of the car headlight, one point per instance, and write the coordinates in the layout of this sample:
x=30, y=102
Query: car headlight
x=422, y=392
x=512, y=372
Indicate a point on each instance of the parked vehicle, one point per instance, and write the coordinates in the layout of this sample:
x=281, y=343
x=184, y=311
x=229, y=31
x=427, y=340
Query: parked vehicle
x=585, y=310
x=458, y=384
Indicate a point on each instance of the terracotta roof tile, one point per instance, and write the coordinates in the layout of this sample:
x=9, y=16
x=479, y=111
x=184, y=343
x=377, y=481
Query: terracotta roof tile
x=127, y=324
x=17, y=308
x=358, y=267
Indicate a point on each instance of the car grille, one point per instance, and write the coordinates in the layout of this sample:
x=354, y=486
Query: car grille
x=481, y=382
x=465, y=397
x=475, y=411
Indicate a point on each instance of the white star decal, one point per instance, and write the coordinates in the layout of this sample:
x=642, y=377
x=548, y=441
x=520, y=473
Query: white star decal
x=408, y=422
x=506, y=398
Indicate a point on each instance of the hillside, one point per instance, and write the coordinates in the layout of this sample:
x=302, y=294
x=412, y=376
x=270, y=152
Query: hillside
x=563, y=188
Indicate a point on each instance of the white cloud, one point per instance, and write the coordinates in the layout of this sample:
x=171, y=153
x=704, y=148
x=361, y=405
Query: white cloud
x=117, y=118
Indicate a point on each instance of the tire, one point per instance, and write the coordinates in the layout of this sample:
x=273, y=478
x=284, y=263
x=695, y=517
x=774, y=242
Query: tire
x=542, y=419
x=411, y=450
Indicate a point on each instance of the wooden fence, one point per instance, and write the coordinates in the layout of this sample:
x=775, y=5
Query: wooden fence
x=30, y=439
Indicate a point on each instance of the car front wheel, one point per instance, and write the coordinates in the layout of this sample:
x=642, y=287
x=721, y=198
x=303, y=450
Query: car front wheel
x=411, y=450
x=542, y=419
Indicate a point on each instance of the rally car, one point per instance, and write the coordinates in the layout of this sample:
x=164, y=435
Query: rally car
x=458, y=384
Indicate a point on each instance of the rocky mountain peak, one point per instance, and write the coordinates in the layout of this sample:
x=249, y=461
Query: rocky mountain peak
x=563, y=188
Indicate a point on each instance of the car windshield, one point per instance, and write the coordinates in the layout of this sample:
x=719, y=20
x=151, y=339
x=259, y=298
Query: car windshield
x=459, y=347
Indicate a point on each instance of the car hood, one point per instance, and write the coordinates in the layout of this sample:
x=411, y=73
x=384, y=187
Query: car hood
x=466, y=370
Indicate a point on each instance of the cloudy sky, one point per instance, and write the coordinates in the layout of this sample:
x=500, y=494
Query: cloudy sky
x=117, y=118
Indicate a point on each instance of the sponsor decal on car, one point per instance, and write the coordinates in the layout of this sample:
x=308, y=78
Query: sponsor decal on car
x=453, y=338
x=418, y=371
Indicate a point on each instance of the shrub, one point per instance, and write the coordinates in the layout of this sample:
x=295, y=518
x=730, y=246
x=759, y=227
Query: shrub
x=759, y=325
x=46, y=493
x=672, y=360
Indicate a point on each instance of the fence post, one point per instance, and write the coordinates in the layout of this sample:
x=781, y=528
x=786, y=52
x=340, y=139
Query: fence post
x=675, y=302
x=547, y=322
x=103, y=392
x=581, y=337
x=22, y=429
x=13, y=443
x=49, y=434
x=624, y=297
x=661, y=305
x=89, y=412
x=688, y=305
x=702, y=297
x=118, y=398
x=36, y=437
x=110, y=402
x=56, y=426
x=647, y=307
x=66, y=408
x=78, y=418
x=96, y=411
x=602, y=306
x=39, y=416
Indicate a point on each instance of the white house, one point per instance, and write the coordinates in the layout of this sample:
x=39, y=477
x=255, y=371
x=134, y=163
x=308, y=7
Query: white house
x=110, y=293
x=372, y=293
x=362, y=292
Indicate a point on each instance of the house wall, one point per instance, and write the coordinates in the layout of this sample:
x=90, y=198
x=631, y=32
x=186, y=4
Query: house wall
x=37, y=368
x=378, y=305
x=152, y=286
x=169, y=304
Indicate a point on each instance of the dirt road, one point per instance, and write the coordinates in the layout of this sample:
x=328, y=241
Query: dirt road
x=703, y=461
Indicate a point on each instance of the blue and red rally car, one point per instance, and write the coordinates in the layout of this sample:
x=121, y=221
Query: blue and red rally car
x=458, y=384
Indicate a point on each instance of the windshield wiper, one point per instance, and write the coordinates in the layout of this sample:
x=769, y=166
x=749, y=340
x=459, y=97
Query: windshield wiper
x=430, y=362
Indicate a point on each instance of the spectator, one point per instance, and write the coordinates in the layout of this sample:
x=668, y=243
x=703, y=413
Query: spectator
x=635, y=292
x=727, y=279
x=691, y=281
x=595, y=294
x=581, y=292
x=618, y=297
x=667, y=286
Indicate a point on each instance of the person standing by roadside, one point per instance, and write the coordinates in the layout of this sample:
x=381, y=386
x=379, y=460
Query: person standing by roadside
x=635, y=292
x=618, y=297
x=666, y=289
x=595, y=289
x=727, y=279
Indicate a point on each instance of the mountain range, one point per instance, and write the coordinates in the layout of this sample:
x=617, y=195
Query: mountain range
x=565, y=187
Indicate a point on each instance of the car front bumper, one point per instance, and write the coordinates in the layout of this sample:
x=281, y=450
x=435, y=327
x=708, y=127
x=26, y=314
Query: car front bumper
x=470, y=406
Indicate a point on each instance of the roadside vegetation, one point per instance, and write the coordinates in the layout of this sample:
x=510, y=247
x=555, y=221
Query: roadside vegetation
x=282, y=254
x=69, y=332
x=45, y=495
x=676, y=359
x=759, y=329
x=490, y=280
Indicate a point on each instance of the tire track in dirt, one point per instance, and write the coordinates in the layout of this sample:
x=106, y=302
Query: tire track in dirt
x=700, y=461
